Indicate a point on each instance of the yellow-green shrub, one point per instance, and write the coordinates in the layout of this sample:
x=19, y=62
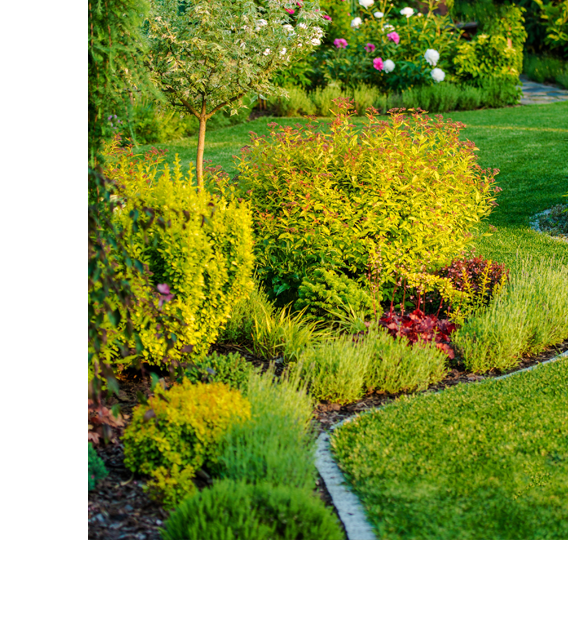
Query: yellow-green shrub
x=405, y=192
x=178, y=431
x=204, y=255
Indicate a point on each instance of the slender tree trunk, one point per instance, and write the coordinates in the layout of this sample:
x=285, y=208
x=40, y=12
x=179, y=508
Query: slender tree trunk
x=201, y=144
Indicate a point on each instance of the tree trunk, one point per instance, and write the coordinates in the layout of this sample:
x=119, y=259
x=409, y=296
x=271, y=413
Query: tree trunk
x=201, y=145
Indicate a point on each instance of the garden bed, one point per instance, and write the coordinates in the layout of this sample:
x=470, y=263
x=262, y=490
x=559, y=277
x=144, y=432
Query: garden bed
x=119, y=508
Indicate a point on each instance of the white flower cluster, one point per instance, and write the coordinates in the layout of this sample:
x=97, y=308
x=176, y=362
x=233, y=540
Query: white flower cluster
x=388, y=65
x=432, y=56
x=388, y=27
x=366, y=3
x=378, y=14
x=356, y=22
x=407, y=12
x=438, y=75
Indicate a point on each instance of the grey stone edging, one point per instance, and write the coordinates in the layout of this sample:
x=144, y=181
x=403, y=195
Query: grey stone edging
x=347, y=504
x=534, y=225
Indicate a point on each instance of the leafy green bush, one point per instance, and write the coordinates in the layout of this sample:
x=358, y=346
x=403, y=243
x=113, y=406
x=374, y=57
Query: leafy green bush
x=543, y=68
x=203, y=260
x=525, y=318
x=483, y=461
x=97, y=469
x=177, y=432
x=230, y=369
x=325, y=294
x=555, y=15
x=406, y=190
x=235, y=510
x=277, y=444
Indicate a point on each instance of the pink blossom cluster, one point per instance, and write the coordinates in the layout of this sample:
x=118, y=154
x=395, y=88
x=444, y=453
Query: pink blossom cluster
x=340, y=43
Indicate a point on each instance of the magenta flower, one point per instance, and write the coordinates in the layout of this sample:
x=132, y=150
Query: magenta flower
x=378, y=63
x=394, y=37
x=166, y=295
x=370, y=47
x=326, y=17
x=340, y=43
x=290, y=11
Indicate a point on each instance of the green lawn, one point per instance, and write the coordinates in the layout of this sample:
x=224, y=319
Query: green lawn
x=477, y=461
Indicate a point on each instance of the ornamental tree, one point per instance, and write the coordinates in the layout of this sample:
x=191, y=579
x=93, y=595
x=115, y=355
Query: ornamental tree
x=208, y=54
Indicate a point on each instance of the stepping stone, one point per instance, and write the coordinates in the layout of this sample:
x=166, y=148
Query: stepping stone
x=537, y=93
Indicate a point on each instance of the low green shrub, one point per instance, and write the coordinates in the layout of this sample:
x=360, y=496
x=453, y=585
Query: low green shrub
x=97, y=468
x=277, y=444
x=555, y=223
x=177, y=432
x=323, y=99
x=525, y=318
x=543, y=68
x=203, y=260
x=235, y=510
x=298, y=103
x=396, y=366
x=327, y=294
x=335, y=369
x=479, y=461
x=230, y=369
x=405, y=190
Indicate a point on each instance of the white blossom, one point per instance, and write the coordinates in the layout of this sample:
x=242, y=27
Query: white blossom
x=432, y=56
x=316, y=41
x=378, y=14
x=388, y=27
x=288, y=27
x=302, y=25
x=318, y=32
x=356, y=22
x=438, y=74
x=366, y=3
x=388, y=65
x=407, y=12
x=266, y=52
x=283, y=51
x=260, y=24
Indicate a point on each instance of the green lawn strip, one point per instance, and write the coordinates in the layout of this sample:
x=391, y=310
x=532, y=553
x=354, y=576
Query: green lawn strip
x=484, y=461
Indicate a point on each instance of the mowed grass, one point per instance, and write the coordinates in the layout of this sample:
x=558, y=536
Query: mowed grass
x=483, y=461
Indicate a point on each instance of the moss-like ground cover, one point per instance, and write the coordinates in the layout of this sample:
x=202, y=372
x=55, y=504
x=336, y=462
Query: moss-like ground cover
x=484, y=461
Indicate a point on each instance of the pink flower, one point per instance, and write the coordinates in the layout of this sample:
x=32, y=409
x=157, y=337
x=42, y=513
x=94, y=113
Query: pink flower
x=326, y=17
x=370, y=47
x=165, y=292
x=378, y=63
x=290, y=11
x=394, y=37
x=340, y=43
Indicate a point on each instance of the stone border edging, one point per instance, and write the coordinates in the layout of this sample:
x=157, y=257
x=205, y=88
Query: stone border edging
x=534, y=225
x=346, y=502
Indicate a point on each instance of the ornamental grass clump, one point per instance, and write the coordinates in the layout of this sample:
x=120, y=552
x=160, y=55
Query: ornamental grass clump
x=406, y=189
x=529, y=314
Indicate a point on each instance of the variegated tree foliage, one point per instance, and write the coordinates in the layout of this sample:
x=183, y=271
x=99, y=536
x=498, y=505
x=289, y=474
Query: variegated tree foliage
x=208, y=54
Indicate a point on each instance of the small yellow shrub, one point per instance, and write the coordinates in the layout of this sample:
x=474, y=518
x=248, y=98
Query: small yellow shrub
x=177, y=432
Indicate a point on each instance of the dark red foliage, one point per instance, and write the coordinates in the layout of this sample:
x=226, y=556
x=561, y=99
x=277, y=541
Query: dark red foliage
x=417, y=326
x=474, y=269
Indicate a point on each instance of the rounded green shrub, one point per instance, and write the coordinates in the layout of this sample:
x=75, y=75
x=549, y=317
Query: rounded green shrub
x=97, y=468
x=178, y=431
x=401, y=194
x=200, y=265
x=235, y=510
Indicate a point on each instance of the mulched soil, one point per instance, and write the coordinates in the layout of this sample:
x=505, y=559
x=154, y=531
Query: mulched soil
x=119, y=509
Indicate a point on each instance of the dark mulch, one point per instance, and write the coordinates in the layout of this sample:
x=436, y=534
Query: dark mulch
x=119, y=509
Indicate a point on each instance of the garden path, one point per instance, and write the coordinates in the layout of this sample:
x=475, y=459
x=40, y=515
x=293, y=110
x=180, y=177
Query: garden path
x=538, y=93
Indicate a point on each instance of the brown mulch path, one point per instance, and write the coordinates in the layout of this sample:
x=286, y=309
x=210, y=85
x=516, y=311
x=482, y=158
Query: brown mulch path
x=119, y=509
